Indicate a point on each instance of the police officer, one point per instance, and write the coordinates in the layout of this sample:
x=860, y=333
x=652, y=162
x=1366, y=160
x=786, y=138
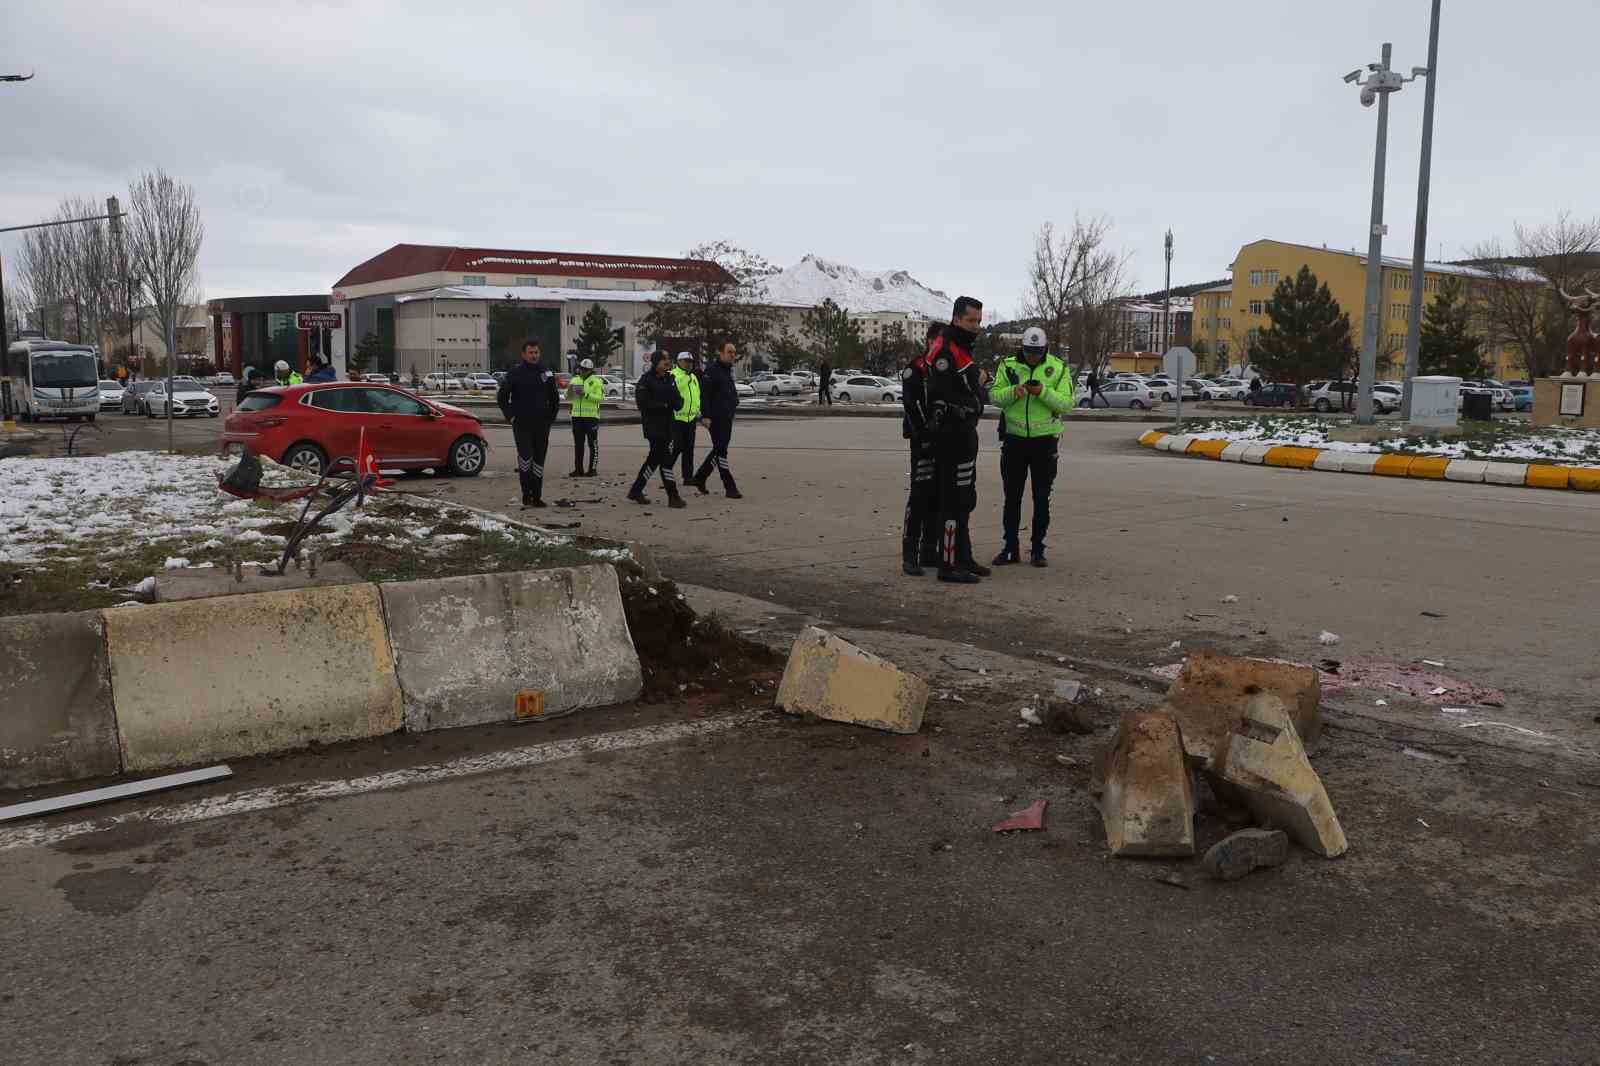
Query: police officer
x=955, y=403
x=919, y=538
x=529, y=400
x=283, y=374
x=656, y=396
x=719, y=400
x=1033, y=391
x=585, y=393
x=688, y=416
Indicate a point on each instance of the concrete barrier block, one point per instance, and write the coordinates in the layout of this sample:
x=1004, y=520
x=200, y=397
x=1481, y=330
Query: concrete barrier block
x=1146, y=795
x=1264, y=760
x=1151, y=437
x=1177, y=443
x=465, y=646
x=1428, y=468
x=1392, y=465
x=1469, y=470
x=56, y=719
x=1358, y=462
x=1505, y=473
x=1329, y=461
x=1585, y=479
x=834, y=679
x=1295, y=458
x=1210, y=448
x=199, y=583
x=1256, y=453
x=1235, y=451
x=294, y=668
x=1541, y=476
x=1209, y=698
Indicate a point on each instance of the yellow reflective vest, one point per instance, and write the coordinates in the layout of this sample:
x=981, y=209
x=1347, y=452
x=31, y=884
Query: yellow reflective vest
x=586, y=394
x=1033, y=416
x=688, y=384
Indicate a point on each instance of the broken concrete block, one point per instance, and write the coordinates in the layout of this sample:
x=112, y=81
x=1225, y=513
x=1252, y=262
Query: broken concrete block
x=1209, y=697
x=1246, y=851
x=834, y=679
x=1264, y=761
x=1146, y=794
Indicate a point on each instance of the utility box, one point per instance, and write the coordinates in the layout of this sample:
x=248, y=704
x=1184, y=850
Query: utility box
x=1434, y=401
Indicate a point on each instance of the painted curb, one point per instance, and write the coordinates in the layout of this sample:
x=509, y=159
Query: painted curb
x=1385, y=464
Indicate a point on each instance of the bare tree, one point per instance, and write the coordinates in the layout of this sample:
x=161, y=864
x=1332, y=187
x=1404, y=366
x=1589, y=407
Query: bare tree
x=42, y=266
x=721, y=292
x=164, y=235
x=1071, y=281
x=1518, y=300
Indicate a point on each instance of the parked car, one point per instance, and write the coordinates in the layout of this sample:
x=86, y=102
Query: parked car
x=225, y=378
x=1522, y=397
x=804, y=377
x=1164, y=387
x=309, y=427
x=441, y=381
x=110, y=395
x=480, y=381
x=189, y=400
x=617, y=389
x=867, y=389
x=1194, y=387
x=133, y=396
x=1225, y=389
x=376, y=378
x=1500, y=394
x=767, y=383
x=740, y=387
x=1123, y=393
x=1278, y=394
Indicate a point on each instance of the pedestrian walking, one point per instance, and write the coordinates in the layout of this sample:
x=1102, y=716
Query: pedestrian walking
x=1034, y=392
x=584, y=394
x=825, y=384
x=956, y=402
x=719, y=400
x=1094, y=388
x=529, y=400
x=657, y=398
x=1255, y=386
x=919, y=537
x=687, y=419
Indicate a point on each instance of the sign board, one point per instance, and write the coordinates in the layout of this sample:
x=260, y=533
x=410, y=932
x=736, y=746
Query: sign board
x=1179, y=364
x=1572, y=399
x=318, y=320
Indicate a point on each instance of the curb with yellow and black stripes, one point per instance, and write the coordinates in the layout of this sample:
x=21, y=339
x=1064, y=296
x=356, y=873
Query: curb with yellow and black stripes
x=1384, y=464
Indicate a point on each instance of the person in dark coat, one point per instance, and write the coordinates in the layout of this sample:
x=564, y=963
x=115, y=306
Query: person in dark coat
x=825, y=384
x=955, y=404
x=920, y=535
x=320, y=369
x=529, y=400
x=719, y=399
x=247, y=385
x=657, y=398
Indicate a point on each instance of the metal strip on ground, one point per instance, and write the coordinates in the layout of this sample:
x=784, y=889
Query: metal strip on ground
x=55, y=804
x=259, y=799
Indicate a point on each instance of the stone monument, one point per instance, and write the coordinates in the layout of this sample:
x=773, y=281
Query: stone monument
x=1573, y=399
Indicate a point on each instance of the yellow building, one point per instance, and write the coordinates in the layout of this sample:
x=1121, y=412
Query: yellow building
x=1229, y=318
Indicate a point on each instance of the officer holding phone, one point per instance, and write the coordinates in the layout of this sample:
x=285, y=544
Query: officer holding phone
x=1034, y=392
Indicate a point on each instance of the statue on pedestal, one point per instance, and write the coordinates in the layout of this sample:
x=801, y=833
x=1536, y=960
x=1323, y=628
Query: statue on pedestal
x=1583, y=347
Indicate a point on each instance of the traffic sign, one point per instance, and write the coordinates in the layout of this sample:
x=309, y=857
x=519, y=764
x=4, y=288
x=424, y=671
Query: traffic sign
x=318, y=320
x=1179, y=363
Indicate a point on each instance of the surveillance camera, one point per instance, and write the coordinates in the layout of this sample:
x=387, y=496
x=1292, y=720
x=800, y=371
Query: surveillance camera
x=1369, y=96
x=1352, y=77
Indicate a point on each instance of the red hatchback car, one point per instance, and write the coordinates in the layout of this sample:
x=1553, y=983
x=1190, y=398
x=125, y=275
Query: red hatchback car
x=310, y=426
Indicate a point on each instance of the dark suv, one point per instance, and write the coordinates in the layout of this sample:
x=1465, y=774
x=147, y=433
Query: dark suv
x=1278, y=395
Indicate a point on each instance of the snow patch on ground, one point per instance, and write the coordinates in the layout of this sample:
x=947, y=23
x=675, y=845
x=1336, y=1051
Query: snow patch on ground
x=1515, y=442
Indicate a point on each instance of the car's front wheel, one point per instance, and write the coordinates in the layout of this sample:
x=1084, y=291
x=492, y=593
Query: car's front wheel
x=467, y=457
x=844, y=397
x=1322, y=405
x=307, y=457
x=888, y=397
x=1136, y=403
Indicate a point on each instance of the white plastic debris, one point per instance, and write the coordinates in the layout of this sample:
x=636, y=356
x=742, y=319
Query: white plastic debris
x=175, y=562
x=1382, y=703
x=1455, y=710
x=1430, y=662
x=1230, y=599
x=1326, y=637
x=1031, y=716
x=1439, y=691
x=145, y=587
x=1175, y=645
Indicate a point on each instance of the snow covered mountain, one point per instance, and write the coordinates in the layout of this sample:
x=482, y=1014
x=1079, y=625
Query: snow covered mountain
x=813, y=280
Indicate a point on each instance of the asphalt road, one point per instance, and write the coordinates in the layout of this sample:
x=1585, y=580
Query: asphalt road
x=785, y=892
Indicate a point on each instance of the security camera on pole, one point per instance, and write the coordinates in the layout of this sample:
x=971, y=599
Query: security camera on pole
x=1380, y=83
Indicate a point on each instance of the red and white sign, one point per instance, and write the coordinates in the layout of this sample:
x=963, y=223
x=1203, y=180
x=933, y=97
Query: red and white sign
x=318, y=320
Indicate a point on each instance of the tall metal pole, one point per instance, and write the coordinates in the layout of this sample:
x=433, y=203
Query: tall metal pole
x=1166, y=324
x=172, y=347
x=1419, y=252
x=5, y=349
x=1374, y=310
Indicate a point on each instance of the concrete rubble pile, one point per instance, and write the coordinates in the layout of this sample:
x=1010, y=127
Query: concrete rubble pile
x=1247, y=726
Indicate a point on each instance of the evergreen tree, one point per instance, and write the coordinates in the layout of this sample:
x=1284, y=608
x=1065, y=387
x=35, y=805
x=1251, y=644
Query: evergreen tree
x=367, y=352
x=597, y=340
x=784, y=355
x=720, y=292
x=832, y=335
x=1449, y=346
x=1309, y=336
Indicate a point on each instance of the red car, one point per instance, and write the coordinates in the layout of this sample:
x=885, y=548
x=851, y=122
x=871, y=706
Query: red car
x=310, y=426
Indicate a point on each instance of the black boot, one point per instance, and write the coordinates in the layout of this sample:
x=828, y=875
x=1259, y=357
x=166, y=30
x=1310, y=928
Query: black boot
x=699, y=483
x=965, y=559
x=959, y=577
x=1036, y=557
x=674, y=500
x=1008, y=556
x=636, y=493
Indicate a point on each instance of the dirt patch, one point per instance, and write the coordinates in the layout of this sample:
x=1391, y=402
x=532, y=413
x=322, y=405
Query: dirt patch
x=107, y=892
x=683, y=654
x=364, y=554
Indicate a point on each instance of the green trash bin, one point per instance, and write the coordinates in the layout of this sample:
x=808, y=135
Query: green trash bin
x=1477, y=406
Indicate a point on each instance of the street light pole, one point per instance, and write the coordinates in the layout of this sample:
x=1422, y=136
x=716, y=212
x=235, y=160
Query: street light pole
x=1419, y=252
x=1373, y=316
x=1166, y=325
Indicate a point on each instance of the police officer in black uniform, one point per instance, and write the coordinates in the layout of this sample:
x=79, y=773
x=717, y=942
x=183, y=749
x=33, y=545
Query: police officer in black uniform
x=719, y=399
x=955, y=404
x=657, y=398
x=529, y=400
x=919, y=539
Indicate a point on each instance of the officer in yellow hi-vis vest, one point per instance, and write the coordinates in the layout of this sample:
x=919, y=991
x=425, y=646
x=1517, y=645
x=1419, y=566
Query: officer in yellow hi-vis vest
x=585, y=393
x=688, y=415
x=1034, y=393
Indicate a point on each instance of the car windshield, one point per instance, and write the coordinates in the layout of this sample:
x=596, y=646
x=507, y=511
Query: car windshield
x=64, y=370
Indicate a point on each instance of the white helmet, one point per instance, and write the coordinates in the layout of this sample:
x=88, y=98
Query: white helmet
x=685, y=357
x=1033, y=337
x=280, y=365
x=587, y=364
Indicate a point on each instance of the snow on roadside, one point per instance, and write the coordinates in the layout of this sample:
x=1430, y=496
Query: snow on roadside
x=111, y=505
x=1515, y=444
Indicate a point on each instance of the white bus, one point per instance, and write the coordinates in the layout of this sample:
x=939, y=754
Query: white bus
x=53, y=379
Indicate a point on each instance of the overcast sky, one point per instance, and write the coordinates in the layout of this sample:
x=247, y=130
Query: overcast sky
x=933, y=137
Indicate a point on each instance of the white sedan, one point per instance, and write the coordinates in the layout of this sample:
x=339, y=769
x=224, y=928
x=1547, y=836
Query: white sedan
x=1129, y=394
x=110, y=395
x=867, y=389
x=769, y=384
x=479, y=381
x=1225, y=389
x=189, y=400
x=617, y=389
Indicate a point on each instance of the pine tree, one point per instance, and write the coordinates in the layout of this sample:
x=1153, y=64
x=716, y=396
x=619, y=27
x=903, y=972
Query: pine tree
x=832, y=335
x=1309, y=336
x=369, y=350
x=1449, y=346
x=597, y=341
